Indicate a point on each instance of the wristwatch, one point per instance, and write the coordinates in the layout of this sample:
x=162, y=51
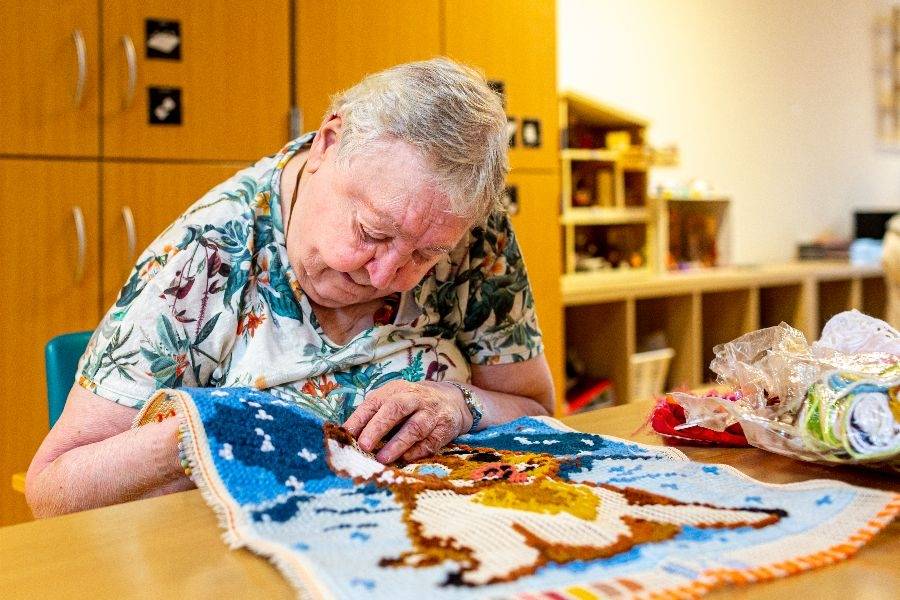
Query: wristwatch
x=473, y=403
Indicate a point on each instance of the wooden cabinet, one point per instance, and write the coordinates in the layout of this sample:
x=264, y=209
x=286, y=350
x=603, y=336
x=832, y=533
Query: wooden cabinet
x=537, y=195
x=49, y=281
x=51, y=278
x=513, y=42
x=337, y=43
x=139, y=201
x=49, y=63
x=233, y=78
x=132, y=178
x=510, y=42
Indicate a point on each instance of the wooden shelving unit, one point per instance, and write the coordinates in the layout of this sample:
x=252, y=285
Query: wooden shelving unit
x=614, y=313
x=608, y=318
x=606, y=216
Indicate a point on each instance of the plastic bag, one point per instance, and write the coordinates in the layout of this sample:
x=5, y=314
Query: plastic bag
x=835, y=401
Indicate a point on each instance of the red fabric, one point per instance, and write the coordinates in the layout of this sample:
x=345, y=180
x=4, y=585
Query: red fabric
x=668, y=413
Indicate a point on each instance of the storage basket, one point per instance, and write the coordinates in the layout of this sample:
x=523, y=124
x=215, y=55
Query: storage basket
x=649, y=371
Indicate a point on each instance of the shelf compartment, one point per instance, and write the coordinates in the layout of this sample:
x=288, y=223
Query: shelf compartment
x=596, y=184
x=835, y=296
x=781, y=303
x=726, y=315
x=600, y=337
x=614, y=244
x=698, y=232
x=874, y=297
x=635, y=187
x=675, y=317
x=586, y=122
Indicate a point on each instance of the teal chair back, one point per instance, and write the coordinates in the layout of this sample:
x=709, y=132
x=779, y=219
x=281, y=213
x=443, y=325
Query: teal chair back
x=61, y=355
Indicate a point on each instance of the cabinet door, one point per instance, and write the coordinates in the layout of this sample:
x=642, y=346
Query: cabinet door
x=536, y=227
x=340, y=42
x=48, y=69
x=513, y=42
x=232, y=79
x=139, y=201
x=49, y=285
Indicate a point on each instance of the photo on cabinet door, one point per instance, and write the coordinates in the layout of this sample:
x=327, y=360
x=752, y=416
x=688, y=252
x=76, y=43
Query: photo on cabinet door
x=162, y=39
x=164, y=104
x=531, y=133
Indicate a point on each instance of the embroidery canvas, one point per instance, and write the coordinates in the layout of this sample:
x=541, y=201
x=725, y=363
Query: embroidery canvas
x=530, y=509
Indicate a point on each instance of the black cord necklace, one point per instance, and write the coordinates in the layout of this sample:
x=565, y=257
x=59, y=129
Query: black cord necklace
x=293, y=200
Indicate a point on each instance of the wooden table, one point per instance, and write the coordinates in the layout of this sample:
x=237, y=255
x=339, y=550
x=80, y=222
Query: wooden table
x=171, y=546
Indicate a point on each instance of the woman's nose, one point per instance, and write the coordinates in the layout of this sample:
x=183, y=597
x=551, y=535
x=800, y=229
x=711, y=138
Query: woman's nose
x=383, y=268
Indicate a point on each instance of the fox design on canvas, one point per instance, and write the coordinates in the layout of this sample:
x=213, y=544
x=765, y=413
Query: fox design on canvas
x=500, y=515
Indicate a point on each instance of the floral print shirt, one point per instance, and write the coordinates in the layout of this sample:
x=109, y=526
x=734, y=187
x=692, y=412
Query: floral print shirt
x=214, y=302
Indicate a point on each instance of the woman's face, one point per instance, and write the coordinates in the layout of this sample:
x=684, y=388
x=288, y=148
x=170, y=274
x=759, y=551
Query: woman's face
x=368, y=228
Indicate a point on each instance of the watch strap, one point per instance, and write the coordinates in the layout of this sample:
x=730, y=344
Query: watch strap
x=473, y=403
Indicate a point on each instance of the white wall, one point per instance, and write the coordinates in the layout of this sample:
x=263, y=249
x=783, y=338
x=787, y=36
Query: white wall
x=771, y=101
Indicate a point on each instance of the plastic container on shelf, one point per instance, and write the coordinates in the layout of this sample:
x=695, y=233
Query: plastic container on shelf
x=649, y=371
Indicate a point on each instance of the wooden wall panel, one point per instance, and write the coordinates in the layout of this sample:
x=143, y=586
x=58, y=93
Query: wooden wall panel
x=339, y=42
x=536, y=232
x=41, y=297
x=39, y=74
x=513, y=42
x=233, y=75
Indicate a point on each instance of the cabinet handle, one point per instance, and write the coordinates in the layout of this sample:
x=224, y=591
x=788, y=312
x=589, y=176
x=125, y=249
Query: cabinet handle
x=81, y=236
x=130, y=232
x=131, y=61
x=81, y=59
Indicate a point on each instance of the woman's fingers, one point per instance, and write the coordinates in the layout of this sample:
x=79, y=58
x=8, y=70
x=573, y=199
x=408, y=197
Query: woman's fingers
x=424, y=417
x=440, y=437
x=416, y=429
x=371, y=404
x=362, y=414
x=388, y=415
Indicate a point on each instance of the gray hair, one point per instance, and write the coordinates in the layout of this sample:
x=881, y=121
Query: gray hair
x=448, y=113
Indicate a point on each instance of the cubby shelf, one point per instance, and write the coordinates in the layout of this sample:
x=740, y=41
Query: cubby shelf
x=695, y=311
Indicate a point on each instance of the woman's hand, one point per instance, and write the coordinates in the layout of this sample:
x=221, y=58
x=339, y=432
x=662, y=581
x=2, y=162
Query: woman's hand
x=431, y=413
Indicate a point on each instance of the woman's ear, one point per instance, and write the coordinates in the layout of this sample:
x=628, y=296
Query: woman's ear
x=326, y=142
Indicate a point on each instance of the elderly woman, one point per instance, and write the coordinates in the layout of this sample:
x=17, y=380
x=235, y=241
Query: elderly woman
x=365, y=272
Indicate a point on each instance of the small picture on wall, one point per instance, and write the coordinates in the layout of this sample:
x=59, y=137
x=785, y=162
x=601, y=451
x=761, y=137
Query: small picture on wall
x=531, y=133
x=163, y=39
x=164, y=104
